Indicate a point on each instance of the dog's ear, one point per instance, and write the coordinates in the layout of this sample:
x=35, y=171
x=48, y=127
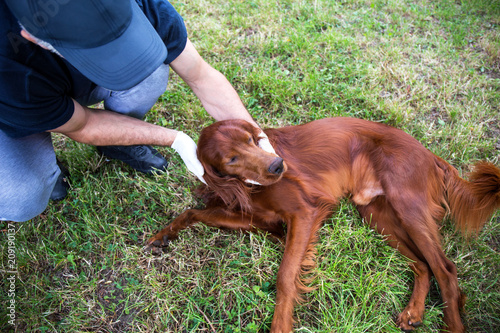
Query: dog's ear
x=212, y=176
x=231, y=190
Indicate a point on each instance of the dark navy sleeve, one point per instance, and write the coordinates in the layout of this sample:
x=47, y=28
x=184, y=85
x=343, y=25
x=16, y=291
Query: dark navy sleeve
x=169, y=25
x=29, y=102
x=35, y=85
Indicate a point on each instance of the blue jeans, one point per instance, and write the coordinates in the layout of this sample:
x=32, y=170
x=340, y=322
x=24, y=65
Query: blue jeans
x=28, y=168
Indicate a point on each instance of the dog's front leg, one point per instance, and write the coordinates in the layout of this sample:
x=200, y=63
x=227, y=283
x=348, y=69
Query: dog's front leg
x=298, y=240
x=213, y=217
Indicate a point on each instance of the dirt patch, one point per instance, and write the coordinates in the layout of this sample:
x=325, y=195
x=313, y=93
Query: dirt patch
x=438, y=116
x=115, y=302
x=494, y=132
x=492, y=74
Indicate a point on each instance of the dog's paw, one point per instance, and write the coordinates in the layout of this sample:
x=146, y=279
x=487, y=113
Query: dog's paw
x=408, y=323
x=156, y=244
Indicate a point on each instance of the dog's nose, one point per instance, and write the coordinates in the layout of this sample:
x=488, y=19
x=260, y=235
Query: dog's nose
x=276, y=166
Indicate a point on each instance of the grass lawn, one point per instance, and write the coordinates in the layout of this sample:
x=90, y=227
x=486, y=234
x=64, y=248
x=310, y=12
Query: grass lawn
x=431, y=68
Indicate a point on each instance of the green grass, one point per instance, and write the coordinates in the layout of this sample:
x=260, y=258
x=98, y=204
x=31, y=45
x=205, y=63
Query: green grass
x=431, y=68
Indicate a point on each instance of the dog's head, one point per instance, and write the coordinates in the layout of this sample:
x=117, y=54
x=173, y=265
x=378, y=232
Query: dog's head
x=229, y=152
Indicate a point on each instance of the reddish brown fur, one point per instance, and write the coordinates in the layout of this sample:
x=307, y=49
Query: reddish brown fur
x=398, y=186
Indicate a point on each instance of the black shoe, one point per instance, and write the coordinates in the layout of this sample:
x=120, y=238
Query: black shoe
x=61, y=188
x=145, y=159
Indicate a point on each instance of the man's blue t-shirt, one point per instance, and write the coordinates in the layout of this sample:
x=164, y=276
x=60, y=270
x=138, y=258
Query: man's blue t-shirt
x=37, y=86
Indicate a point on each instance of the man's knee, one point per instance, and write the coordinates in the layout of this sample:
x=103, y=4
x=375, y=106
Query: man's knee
x=25, y=200
x=138, y=100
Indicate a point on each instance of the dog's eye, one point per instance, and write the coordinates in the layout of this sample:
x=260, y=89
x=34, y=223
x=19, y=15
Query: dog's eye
x=250, y=140
x=233, y=159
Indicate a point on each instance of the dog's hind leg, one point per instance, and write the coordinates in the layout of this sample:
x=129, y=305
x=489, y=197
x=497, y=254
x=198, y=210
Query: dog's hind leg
x=417, y=219
x=381, y=217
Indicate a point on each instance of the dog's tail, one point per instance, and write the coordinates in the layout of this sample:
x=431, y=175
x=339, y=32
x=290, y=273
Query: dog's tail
x=473, y=202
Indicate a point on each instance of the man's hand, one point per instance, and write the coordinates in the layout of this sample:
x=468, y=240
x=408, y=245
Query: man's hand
x=186, y=148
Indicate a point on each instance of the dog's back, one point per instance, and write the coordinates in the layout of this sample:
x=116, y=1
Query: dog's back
x=348, y=156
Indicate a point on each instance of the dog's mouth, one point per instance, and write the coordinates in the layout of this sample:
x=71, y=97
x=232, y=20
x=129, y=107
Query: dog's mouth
x=263, y=182
x=273, y=174
x=252, y=182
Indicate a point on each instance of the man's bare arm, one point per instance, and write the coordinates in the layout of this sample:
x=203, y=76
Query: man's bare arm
x=107, y=128
x=212, y=88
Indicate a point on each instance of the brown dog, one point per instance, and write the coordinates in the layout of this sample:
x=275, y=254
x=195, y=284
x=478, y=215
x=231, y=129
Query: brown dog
x=399, y=187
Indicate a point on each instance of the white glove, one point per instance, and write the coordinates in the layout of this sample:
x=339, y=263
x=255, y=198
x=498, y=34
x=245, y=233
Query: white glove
x=265, y=144
x=186, y=148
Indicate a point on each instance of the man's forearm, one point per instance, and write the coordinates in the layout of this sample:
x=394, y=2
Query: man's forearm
x=212, y=88
x=219, y=97
x=107, y=128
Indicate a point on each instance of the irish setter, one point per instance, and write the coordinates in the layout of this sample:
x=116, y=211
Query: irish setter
x=399, y=187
